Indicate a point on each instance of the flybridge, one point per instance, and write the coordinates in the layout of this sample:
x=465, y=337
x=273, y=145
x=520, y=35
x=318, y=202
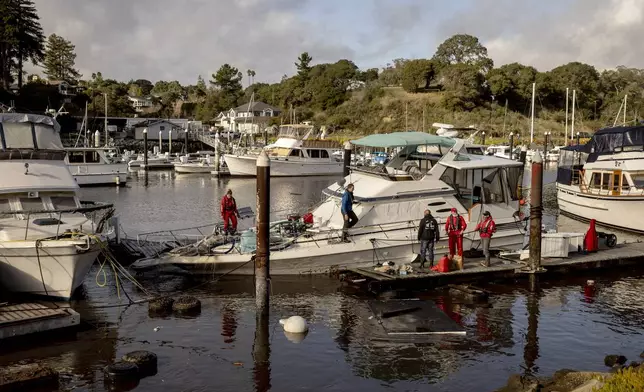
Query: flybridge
x=29, y=132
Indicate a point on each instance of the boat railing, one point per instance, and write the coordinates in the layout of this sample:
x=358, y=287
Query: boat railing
x=96, y=212
x=624, y=190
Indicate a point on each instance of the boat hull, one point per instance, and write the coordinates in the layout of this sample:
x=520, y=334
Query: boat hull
x=240, y=165
x=193, y=168
x=618, y=212
x=324, y=256
x=89, y=179
x=63, y=265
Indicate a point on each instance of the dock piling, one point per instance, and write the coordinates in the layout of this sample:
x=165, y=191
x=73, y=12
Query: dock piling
x=170, y=142
x=145, y=148
x=545, y=144
x=185, y=140
x=524, y=154
x=511, y=145
x=262, y=264
x=483, y=138
x=217, y=157
x=536, y=212
x=347, y=159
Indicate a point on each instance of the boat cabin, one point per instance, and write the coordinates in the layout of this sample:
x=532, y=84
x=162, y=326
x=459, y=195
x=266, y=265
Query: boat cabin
x=91, y=155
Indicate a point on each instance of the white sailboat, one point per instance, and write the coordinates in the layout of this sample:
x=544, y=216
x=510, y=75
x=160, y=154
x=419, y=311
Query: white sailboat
x=49, y=239
x=427, y=171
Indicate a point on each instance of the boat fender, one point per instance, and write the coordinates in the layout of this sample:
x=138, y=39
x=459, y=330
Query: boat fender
x=294, y=324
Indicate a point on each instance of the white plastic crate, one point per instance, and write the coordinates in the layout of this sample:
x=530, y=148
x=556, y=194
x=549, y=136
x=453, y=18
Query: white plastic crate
x=555, y=244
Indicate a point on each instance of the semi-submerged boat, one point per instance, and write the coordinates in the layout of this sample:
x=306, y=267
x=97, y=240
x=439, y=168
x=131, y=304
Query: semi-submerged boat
x=604, y=178
x=425, y=172
x=49, y=239
x=295, y=153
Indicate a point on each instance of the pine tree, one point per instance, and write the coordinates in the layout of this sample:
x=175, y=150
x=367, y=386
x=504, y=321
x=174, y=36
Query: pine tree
x=21, y=38
x=60, y=60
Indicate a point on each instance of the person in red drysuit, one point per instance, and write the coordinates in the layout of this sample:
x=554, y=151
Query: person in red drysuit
x=591, y=240
x=454, y=227
x=229, y=212
x=486, y=228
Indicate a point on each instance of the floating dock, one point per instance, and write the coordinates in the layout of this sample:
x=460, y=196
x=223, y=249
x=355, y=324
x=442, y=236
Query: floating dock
x=127, y=251
x=501, y=269
x=19, y=319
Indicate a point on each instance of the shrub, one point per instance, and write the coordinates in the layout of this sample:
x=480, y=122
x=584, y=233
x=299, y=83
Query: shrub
x=626, y=380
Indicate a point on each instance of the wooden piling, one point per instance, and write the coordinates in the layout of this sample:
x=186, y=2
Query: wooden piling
x=145, y=148
x=524, y=154
x=347, y=159
x=217, y=157
x=545, y=145
x=578, y=138
x=185, y=140
x=511, y=145
x=536, y=212
x=262, y=264
x=170, y=141
x=261, y=354
x=483, y=138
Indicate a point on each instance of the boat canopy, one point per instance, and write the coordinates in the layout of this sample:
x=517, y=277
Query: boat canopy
x=616, y=139
x=402, y=139
x=29, y=131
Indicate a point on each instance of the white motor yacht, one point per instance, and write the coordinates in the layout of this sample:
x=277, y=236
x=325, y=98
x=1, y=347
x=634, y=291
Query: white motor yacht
x=604, y=178
x=293, y=154
x=427, y=172
x=49, y=239
x=97, y=166
x=159, y=161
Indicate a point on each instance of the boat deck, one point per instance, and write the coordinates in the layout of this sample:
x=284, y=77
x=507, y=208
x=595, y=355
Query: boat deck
x=19, y=319
x=501, y=269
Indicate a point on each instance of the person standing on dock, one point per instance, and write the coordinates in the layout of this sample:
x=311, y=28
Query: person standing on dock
x=229, y=212
x=454, y=227
x=350, y=218
x=486, y=228
x=428, y=235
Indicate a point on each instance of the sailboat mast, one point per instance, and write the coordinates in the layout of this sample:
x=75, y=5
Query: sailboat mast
x=106, y=136
x=567, y=100
x=625, y=101
x=534, y=88
x=572, y=124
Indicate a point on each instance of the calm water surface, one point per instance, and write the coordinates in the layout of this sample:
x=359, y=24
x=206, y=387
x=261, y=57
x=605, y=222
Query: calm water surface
x=565, y=324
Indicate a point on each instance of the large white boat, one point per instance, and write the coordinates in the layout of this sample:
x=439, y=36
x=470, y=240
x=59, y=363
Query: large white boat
x=294, y=153
x=604, y=178
x=97, y=166
x=49, y=239
x=427, y=172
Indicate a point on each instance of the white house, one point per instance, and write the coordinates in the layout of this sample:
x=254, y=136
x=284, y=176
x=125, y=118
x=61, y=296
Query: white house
x=156, y=126
x=140, y=103
x=247, y=118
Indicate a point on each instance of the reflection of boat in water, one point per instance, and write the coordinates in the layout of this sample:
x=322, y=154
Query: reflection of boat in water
x=388, y=204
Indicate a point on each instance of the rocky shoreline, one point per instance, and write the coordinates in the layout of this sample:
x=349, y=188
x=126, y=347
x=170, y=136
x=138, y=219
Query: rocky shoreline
x=567, y=380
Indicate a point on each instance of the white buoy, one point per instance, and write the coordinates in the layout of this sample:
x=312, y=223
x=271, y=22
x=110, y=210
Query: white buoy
x=294, y=324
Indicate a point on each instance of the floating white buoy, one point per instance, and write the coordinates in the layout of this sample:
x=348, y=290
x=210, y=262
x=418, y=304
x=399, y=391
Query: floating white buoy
x=294, y=324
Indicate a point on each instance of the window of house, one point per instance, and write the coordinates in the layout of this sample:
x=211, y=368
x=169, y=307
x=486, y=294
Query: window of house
x=314, y=153
x=324, y=154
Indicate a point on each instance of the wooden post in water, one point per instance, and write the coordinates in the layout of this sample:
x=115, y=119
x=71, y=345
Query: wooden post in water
x=524, y=154
x=347, y=159
x=578, y=138
x=217, y=158
x=261, y=354
x=145, y=148
x=536, y=212
x=262, y=264
x=511, y=145
x=483, y=138
x=545, y=144
x=170, y=141
x=185, y=140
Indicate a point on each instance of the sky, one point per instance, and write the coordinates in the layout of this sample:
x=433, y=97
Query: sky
x=182, y=39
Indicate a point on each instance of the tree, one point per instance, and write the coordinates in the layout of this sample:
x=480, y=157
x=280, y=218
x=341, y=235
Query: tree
x=417, y=74
x=391, y=75
x=514, y=83
x=303, y=66
x=463, y=49
x=60, y=59
x=228, y=81
x=145, y=85
x=251, y=76
x=21, y=38
x=464, y=86
x=369, y=75
x=577, y=76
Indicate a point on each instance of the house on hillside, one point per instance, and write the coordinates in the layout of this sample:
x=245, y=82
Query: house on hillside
x=247, y=118
x=140, y=103
x=166, y=127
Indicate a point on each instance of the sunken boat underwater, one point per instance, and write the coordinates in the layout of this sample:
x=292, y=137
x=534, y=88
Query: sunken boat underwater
x=425, y=171
x=49, y=239
x=604, y=179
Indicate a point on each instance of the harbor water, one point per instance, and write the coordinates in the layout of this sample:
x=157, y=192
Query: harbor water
x=566, y=324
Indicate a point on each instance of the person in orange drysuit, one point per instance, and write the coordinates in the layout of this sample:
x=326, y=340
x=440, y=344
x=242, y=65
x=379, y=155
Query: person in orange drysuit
x=454, y=227
x=229, y=212
x=486, y=229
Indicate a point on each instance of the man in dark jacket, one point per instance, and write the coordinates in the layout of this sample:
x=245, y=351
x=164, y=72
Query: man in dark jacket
x=346, y=207
x=428, y=235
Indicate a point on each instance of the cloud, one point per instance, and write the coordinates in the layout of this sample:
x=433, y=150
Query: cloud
x=179, y=40
x=546, y=34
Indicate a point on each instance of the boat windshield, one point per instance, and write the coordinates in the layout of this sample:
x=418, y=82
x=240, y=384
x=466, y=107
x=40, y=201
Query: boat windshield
x=278, y=152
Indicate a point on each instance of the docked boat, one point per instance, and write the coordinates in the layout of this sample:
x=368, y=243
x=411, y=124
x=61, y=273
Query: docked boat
x=503, y=152
x=97, y=166
x=604, y=178
x=203, y=165
x=160, y=161
x=294, y=153
x=427, y=171
x=49, y=239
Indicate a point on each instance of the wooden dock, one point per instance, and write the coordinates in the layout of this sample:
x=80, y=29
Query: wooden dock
x=19, y=319
x=501, y=269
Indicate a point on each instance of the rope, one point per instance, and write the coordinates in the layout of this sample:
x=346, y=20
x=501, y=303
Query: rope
x=42, y=278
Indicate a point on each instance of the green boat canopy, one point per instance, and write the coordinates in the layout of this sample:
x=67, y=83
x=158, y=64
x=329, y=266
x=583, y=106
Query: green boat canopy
x=401, y=139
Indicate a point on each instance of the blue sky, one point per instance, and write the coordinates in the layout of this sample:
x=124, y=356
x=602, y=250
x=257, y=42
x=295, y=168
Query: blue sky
x=179, y=40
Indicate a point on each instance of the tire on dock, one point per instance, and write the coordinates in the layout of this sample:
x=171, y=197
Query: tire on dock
x=146, y=361
x=160, y=305
x=187, y=305
x=121, y=372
